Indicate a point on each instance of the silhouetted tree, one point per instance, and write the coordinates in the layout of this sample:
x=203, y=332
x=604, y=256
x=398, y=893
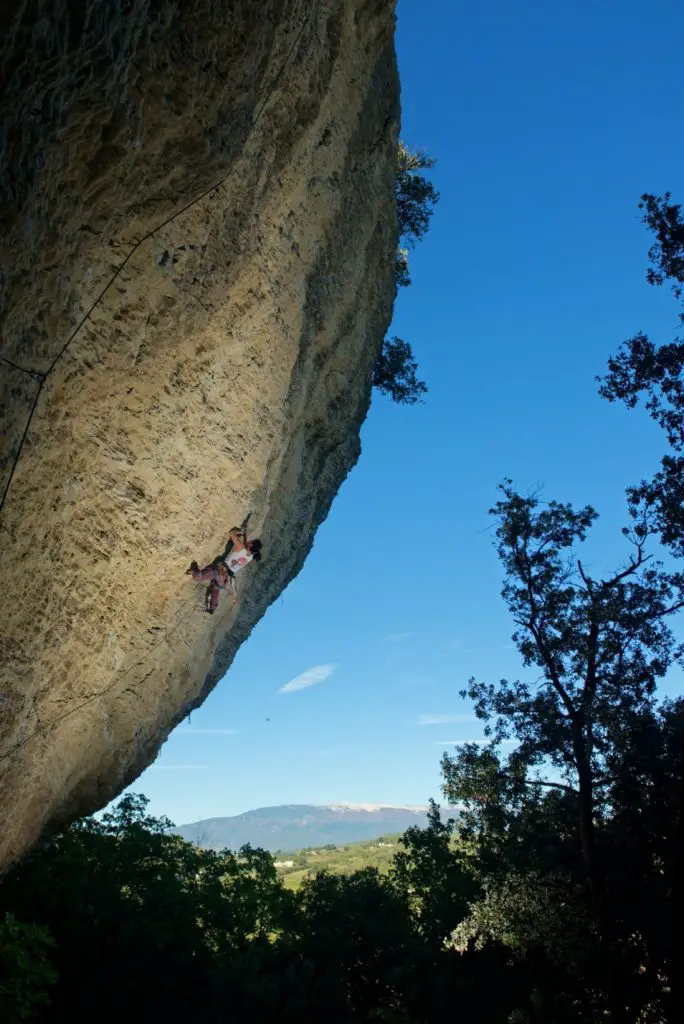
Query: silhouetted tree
x=26, y=974
x=416, y=198
x=395, y=373
x=415, y=195
x=432, y=877
x=656, y=373
x=642, y=368
x=600, y=645
x=168, y=930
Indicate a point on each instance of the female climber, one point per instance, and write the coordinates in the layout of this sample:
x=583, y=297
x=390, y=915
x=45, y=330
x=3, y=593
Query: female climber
x=220, y=573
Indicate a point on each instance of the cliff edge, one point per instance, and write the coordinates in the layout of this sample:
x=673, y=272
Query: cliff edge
x=197, y=271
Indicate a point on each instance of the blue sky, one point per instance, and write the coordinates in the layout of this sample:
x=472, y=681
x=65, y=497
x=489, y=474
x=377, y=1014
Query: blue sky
x=548, y=121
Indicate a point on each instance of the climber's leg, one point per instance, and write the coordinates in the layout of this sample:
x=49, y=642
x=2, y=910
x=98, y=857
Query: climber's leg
x=201, y=575
x=231, y=587
x=212, y=598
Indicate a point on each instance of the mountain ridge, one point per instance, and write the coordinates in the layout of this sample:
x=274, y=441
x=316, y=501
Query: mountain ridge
x=289, y=827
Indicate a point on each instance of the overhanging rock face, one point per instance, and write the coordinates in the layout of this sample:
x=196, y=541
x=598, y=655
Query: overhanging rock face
x=210, y=185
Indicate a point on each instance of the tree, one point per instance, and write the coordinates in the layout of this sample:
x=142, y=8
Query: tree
x=657, y=372
x=394, y=373
x=642, y=368
x=26, y=972
x=162, y=927
x=353, y=944
x=401, y=267
x=600, y=645
x=416, y=198
x=166, y=929
x=430, y=875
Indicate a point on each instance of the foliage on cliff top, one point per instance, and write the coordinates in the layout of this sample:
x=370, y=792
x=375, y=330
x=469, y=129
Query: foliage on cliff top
x=395, y=371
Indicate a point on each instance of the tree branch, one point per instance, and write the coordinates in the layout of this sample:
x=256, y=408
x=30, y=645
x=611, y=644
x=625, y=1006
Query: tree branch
x=551, y=668
x=587, y=580
x=536, y=632
x=538, y=782
x=634, y=564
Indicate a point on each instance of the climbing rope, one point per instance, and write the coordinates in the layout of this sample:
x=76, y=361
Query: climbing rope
x=43, y=376
x=185, y=612
x=186, y=608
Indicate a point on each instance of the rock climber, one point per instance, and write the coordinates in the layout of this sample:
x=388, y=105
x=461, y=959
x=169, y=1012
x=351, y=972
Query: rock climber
x=220, y=574
x=240, y=551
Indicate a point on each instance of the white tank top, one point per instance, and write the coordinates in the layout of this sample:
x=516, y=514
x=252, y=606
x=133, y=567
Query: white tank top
x=237, y=560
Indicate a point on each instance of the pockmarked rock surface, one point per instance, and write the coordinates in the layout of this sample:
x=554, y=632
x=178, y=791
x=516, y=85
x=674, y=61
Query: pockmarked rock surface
x=196, y=209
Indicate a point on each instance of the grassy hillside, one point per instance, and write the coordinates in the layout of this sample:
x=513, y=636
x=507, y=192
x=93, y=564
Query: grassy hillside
x=294, y=867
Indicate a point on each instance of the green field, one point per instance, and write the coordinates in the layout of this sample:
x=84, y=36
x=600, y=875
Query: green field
x=342, y=860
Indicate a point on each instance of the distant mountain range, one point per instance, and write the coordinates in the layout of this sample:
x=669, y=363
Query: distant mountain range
x=297, y=826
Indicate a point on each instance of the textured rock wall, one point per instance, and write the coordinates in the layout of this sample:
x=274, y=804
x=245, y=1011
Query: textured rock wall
x=209, y=185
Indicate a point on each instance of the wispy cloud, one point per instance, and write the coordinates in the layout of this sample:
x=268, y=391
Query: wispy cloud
x=316, y=674
x=480, y=742
x=454, y=643
x=423, y=679
x=397, y=638
x=444, y=719
x=177, y=767
x=206, y=732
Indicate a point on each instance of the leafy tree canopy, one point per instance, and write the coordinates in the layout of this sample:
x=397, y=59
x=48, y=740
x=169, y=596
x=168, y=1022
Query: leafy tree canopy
x=395, y=373
x=656, y=372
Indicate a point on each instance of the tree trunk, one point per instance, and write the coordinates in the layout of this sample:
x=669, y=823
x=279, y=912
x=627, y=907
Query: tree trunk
x=586, y=817
x=677, y=966
x=595, y=882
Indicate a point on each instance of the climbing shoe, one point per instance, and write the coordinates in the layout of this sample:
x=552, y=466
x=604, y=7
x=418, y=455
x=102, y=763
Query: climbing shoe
x=194, y=567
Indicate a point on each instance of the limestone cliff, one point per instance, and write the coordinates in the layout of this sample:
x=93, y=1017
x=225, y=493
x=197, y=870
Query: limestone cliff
x=196, y=272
